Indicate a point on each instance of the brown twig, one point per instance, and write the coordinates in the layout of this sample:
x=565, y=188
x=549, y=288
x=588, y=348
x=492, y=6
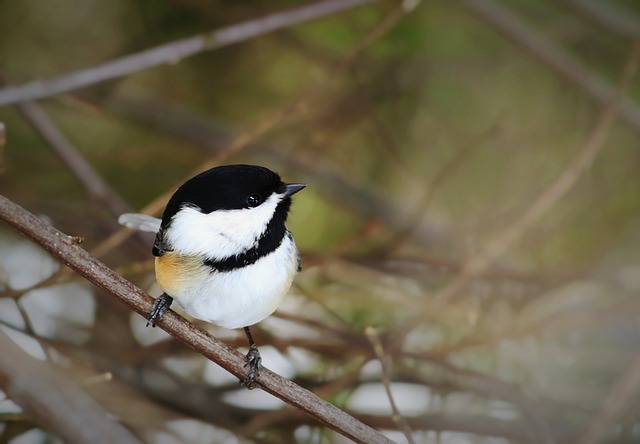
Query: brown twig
x=202, y=130
x=556, y=191
x=3, y=143
x=62, y=247
x=92, y=182
x=54, y=402
x=608, y=15
x=293, y=108
x=174, y=51
x=96, y=186
x=621, y=396
x=512, y=233
x=54, y=278
x=403, y=232
x=481, y=425
x=385, y=362
x=596, y=87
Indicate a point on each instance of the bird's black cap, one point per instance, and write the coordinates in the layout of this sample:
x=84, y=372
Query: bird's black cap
x=223, y=188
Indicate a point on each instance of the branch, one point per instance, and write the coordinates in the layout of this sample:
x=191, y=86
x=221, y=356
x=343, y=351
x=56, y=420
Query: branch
x=386, y=364
x=174, y=51
x=296, y=107
x=3, y=143
x=94, y=184
x=512, y=233
x=617, y=403
x=554, y=192
x=614, y=18
x=62, y=147
x=63, y=247
x=54, y=402
x=596, y=86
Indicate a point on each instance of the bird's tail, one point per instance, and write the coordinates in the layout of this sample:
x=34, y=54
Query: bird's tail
x=141, y=222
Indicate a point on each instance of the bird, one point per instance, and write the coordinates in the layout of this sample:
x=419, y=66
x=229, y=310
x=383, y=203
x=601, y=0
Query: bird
x=222, y=250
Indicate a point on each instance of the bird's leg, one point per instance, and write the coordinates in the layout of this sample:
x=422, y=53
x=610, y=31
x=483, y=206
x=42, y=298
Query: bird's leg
x=253, y=362
x=160, y=307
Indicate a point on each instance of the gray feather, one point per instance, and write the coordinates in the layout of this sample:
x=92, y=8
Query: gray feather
x=141, y=222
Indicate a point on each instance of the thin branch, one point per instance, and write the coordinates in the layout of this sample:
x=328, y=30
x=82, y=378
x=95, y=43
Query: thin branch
x=62, y=247
x=614, y=18
x=481, y=425
x=557, y=190
x=174, y=51
x=92, y=182
x=294, y=108
x=13, y=293
x=96, y=187
x=616, y=404
x=512, y=233
x=385, y=362
x=54, y=402
x=3, y=143
x=597, y=87
x=405, y=229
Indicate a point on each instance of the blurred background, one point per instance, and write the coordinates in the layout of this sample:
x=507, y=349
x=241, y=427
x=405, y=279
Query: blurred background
x=471, y=260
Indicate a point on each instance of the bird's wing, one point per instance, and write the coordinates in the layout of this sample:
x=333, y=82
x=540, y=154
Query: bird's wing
x=160, y=245
x=140, y=222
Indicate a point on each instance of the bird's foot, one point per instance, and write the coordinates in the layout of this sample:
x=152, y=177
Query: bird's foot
x=160, y=307
x=254, y=362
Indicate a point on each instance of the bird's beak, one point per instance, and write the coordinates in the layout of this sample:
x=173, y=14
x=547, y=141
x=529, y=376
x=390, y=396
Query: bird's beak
x=290, y=189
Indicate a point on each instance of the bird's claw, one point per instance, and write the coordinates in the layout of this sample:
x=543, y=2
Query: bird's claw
x=160, y=307
x=254, y=362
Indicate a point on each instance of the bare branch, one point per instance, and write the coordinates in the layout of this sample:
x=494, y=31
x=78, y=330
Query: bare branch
x=598, y=88
x=62, y=247
x=63, y=148
x=174, y=51
x=93, y=183
x=609, y=16
x=617, y=402
x=295, y=107
x=511, y=234
x=3, y=143
x=53, y=401
x=385, y=362
x=558, y=189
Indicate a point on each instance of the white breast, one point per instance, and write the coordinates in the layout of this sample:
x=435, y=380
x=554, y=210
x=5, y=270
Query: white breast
x=245, y=296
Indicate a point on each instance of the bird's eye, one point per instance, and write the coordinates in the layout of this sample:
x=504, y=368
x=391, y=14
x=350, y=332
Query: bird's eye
x=253, y=200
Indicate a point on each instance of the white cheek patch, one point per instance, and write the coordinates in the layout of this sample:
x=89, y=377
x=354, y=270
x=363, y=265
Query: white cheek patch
x=222, y=233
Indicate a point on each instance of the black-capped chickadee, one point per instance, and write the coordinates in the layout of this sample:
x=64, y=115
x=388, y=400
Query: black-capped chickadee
x=222, y=249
